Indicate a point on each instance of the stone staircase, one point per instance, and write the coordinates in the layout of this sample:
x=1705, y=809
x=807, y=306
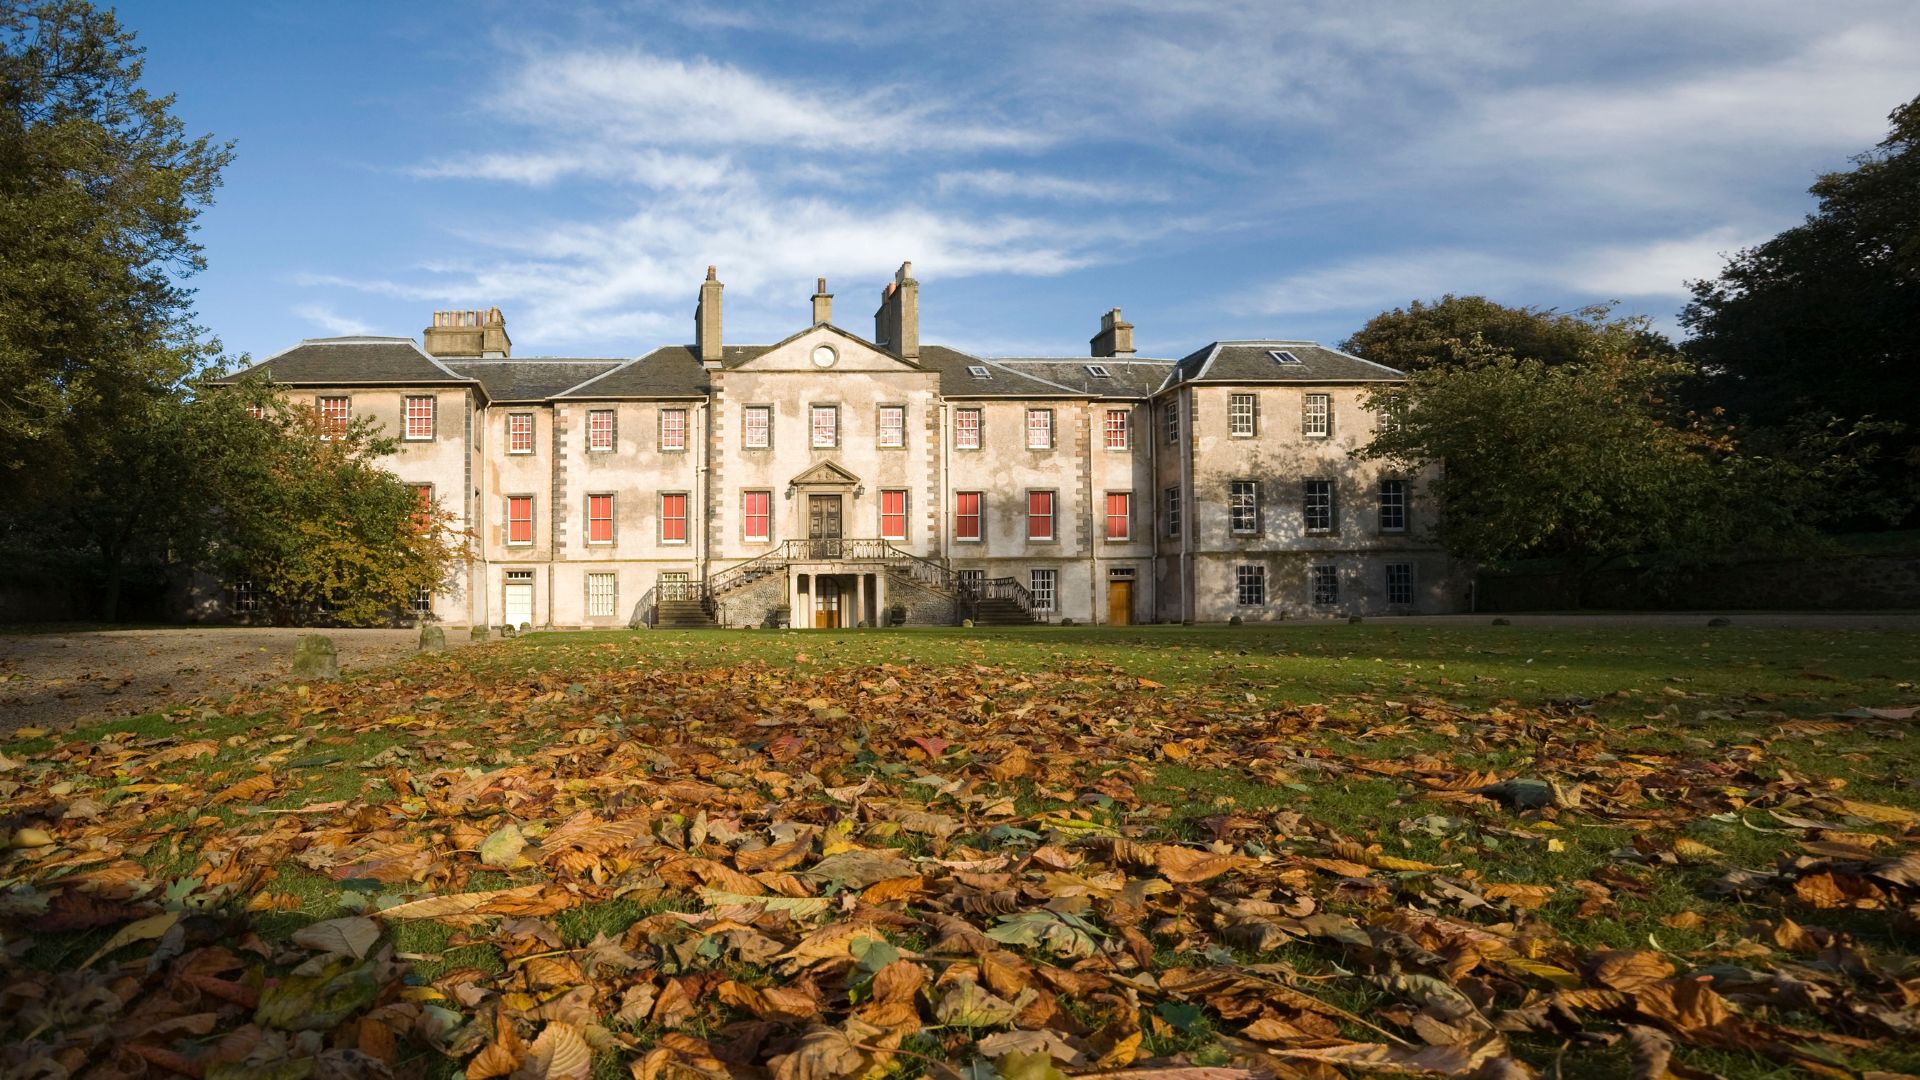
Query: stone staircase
x=684, y=615
x=1001, y=612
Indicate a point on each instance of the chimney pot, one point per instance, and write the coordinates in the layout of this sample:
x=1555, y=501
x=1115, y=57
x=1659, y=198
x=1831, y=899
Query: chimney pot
x=469, y=332
x=713, y=272
x=822, y=303
x=1115, y=337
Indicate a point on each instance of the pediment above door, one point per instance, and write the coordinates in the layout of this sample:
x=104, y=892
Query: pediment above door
x=825, y=474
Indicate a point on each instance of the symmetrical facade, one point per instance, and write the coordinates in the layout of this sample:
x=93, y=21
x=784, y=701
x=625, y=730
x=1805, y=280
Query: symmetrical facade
x=833, y=480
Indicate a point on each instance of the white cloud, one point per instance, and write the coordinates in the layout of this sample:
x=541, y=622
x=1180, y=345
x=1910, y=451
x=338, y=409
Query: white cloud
x=1006, y=184
x=334, y=323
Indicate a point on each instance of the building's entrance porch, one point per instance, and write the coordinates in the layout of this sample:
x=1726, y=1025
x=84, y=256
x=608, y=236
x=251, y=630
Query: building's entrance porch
x=826, y=596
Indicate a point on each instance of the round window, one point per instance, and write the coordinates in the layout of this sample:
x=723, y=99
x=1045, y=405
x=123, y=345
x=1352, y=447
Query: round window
x=824, y=356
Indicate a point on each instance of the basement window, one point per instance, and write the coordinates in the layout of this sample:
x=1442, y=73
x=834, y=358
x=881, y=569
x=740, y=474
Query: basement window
x=978, y=371
x=1099, y=371
x=1282, y=356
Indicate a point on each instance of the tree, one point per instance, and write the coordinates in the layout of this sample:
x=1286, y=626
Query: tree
x=1441, y=333
x=1819, y=322
x=1588, y=461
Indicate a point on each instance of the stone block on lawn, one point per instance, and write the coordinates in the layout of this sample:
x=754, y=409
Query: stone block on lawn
x=479, y=633
x=315, y=658
x=433, y=639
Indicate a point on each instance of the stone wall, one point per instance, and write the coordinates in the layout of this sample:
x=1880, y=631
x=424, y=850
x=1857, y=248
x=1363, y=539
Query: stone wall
x=1839, y=583
x=752, y=604
x=925, y=607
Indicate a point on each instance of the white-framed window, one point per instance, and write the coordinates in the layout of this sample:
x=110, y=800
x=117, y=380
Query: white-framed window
x=1171, y=414
x=1039, y=429
x=1392, y=415
x=245, y=599
x=1243, y=507
x=756, y=516
x=1099, y=371
x=966, y=429
x=673, y=430
x=422, y=599
x=1041, y=586
x=520, y=433
x=519, y=519
x=1316, y=505
x=600, y=595
x=1039, y=515
x=335, y=414
x=1250, y=585
x=1282, y=356
x=600, y=519
x=1119, y=515
x=600, y=431
x=1243, y=416
x=673, y=517
x=419, y=417
x=893, y=427
x=1324, y=579
x=1393, y=506
x=1316, y=416
x=1173, y=511
x=967, y=520
x=826, y=426
x=893, y=513
x=1399, y=583
x=979, y=371
x=1118, y=437
x=756, y=427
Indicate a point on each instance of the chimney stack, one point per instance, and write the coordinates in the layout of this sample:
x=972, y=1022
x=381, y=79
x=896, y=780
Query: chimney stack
x=1115, y=337
x=897, y=324
x=475, y=332
x=822, y=304
x=706, y=320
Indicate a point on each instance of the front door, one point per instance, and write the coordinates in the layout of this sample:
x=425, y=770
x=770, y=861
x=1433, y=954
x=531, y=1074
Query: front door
x=823, y=526
x=519, y=603
x=1120, y=602
x=826, y=603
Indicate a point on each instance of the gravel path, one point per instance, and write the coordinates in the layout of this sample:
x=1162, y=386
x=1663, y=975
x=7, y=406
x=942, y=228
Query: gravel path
x=56, y=680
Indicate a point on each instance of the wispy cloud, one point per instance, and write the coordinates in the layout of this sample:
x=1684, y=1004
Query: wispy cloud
x=1003, y=183
x=334, y=323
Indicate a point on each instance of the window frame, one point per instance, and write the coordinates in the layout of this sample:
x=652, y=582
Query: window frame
x=1323, y=574
x=1391, y=496
x=532, y=519
x=1045, y=415
x=1243, y=407
x=1052, y=515
x=880, y=427
x=1243, y=581
x=1125, y=517
x=1243, y=507
x=979, y=517
x=1171, y=501
x=1308, y=496
x=1309, y=414
x=686, y=512
x=423, y=516
x=979, y=427
x=1171, y=421
x=746, y=515
x=814, y=411
x=406, y=416
x=1120, y=420
x=331, y=426
x=905, y=514
x=421, y=602
x=611, y=416
x=1051, y=592
x=1407, y=568
x=683, y=413
x=612, y=594
x=609, y=518
x=746, y=427
x=532, y=432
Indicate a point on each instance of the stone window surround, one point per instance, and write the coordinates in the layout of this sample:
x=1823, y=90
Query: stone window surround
x=612, y=431
x=611, y=519
x=685, y=422
x=813, y=429
x=906, y=513
x=979, y=517
x=746, y=536
x=512, y=419
x=979, y=427
x=746, y=429
x=407, y=418
x=1053, y=516
x=880, y=425
x=1124, y=428
x=685, y=516
x=1052, y=438
x=532, y=519
x=1124, y=537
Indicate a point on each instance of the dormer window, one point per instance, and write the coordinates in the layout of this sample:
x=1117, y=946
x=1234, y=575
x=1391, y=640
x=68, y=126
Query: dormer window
x=978, y=371
x=1282, y=356
x=1099, y=371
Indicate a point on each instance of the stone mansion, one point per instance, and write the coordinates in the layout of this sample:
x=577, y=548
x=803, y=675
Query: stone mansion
x=832, y=479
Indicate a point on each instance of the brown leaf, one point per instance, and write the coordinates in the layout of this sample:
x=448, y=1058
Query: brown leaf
x=252, y=789
x=1627, y=970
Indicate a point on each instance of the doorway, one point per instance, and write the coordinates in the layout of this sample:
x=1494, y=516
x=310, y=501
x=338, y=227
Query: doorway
x=519, y=598
x=1120, y=599
x=826, y=603
x=823, y=526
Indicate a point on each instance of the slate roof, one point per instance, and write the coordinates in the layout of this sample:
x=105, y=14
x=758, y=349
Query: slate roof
x=531, y=379
x=671, y=371
x=1043, y=376
x=1253, y=362
x=354, y=361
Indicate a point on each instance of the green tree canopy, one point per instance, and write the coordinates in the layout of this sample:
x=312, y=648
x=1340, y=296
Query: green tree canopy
x=1823, y=320
x=1444, y=332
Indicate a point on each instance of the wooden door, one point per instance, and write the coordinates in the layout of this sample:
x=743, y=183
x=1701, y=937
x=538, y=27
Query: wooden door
x=1120, y=602
x=823, y=526
x=519, y=604
x=826, y=604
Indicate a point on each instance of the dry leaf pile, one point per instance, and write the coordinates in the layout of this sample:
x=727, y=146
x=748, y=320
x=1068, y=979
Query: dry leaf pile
x=836, y=874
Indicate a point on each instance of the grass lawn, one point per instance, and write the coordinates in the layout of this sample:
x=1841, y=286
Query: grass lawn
x=1288, y=851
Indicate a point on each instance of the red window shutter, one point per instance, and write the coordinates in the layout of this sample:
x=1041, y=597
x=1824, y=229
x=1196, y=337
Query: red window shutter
x=520, y=520
x=673, y=517
x=967, y=515
x=1039, y=515
x=600, y=519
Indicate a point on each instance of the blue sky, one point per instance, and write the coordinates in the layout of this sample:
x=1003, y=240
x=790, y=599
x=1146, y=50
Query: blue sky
x=1217, y=170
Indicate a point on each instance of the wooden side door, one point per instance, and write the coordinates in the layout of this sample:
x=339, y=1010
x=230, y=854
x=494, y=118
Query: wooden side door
x=1120, y=602
x=826, y=604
